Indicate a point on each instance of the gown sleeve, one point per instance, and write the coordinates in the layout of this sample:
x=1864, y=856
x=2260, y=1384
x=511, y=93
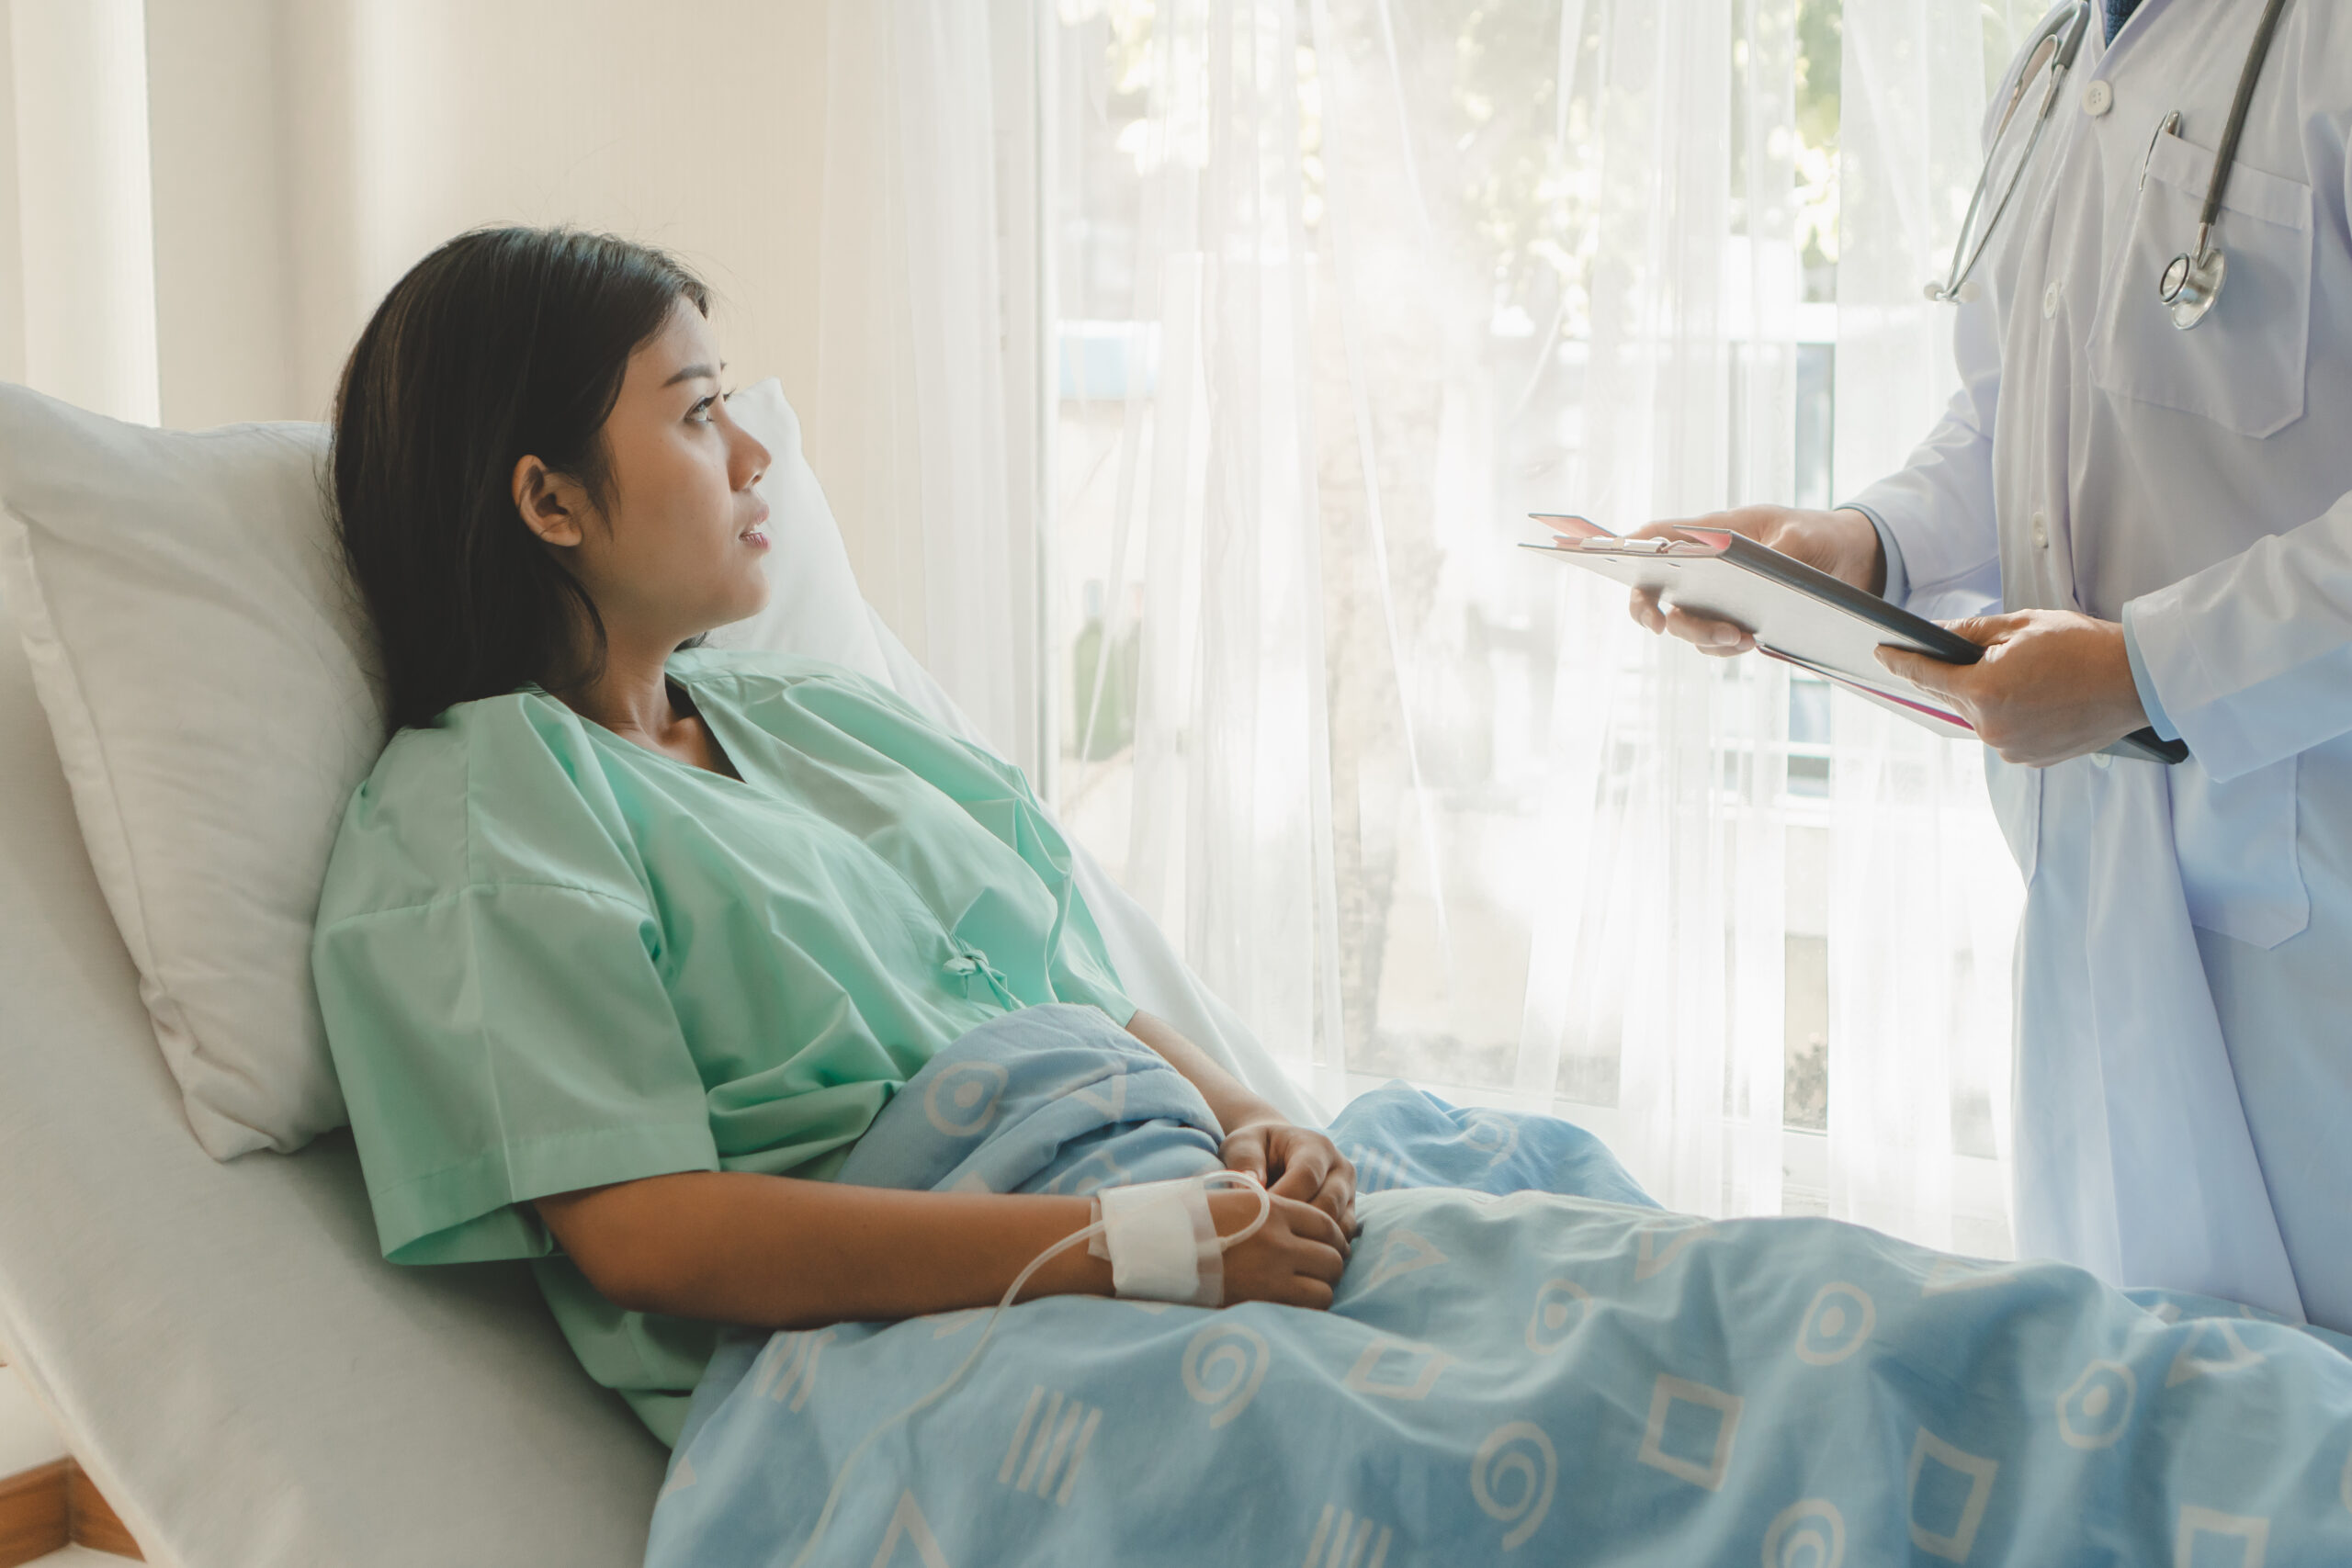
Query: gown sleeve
x=496, y=1043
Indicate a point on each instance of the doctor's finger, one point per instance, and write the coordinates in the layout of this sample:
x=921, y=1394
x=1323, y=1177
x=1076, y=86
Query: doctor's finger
x=1706, y=634
x=1644, y=611
x=1986, y=630
x=1929, y=674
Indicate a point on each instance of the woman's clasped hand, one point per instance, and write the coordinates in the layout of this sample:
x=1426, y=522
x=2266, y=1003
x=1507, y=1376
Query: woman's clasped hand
x=1296, y=1258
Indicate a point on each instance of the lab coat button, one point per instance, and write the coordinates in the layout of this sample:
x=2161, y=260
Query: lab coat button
x=2098, y=98
x=2049, y=301
x=2101, y=760
x=2041, y=532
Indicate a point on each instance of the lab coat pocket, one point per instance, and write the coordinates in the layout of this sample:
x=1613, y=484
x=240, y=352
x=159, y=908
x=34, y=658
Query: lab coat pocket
x=2243, y=366
x=2235, y=842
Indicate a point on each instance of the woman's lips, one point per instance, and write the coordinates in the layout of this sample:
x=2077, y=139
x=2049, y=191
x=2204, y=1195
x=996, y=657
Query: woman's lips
x=755, y=534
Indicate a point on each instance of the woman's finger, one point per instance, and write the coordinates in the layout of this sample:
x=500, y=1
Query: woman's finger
x=1302, y=1172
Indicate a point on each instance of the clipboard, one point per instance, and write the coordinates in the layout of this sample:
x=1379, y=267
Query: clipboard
x=1797, y=615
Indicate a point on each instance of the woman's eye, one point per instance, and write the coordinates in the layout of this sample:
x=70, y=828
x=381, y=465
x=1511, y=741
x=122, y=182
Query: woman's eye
x=701, y=406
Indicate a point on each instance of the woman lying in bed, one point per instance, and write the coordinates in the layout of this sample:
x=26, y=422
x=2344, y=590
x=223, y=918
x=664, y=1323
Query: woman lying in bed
x=734, y=993
x=625, y=943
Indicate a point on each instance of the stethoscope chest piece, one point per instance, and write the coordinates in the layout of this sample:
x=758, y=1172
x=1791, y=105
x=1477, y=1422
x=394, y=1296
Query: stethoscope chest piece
x=2192, y=283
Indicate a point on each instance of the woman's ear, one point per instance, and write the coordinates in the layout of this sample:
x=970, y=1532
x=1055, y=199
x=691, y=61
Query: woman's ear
x=551, y=504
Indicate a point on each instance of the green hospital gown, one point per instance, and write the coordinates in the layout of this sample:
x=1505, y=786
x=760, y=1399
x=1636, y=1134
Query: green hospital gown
x=549, y=958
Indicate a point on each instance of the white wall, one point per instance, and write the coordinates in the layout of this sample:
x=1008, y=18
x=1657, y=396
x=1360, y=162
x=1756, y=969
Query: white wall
x=305, y=153
x=301, y=154
x=84, y=233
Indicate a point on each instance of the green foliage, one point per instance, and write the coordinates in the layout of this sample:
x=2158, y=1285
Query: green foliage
x=1821, y=50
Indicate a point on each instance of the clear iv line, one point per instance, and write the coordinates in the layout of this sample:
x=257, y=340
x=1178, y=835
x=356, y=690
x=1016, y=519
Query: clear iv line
x=1224, y=1244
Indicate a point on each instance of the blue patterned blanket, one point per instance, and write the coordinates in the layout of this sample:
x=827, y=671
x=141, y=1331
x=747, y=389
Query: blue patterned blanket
x=1526, y=1361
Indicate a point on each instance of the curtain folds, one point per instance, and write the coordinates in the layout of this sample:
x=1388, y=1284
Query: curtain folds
x=1335, y=291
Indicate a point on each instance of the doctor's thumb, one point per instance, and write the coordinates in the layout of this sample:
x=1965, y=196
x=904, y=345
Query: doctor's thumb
x=1915, y=668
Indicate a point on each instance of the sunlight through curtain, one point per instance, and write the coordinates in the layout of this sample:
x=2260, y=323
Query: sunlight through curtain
x=1335, y=292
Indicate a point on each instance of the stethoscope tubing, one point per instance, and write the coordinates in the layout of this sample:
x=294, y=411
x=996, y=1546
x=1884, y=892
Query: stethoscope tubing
x=2203, y=265
x=2067, y=33
x=2256, y=57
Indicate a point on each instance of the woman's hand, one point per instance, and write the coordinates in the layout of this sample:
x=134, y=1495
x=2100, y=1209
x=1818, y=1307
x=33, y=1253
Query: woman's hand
x=1295, y=1259
x=1298, y=1163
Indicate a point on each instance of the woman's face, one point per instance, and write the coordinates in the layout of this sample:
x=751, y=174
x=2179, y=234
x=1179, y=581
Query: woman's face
x=677, y=548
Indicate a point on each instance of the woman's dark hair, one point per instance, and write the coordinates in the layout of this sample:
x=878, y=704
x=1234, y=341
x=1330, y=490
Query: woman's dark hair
x=503, y=344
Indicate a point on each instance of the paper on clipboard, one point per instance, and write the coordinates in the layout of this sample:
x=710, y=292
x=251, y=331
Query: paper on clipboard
x=1926, y=715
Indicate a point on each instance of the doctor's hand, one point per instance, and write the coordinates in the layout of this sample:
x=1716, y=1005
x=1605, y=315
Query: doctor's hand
x=1296, y=1162
x=2052, y=684
x=1844, y=543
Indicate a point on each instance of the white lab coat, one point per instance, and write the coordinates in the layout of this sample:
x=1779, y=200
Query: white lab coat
x=2184, y=963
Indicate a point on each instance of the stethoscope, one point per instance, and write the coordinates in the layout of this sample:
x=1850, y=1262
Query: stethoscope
x=2193, y=281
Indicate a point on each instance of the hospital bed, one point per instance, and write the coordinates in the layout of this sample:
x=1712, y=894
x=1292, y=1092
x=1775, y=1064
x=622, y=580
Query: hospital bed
x=228, y=1354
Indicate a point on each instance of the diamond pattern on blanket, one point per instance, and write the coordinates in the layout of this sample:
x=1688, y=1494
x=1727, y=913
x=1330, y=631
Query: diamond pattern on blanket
x=1509, y=1406
x=1410, y=1375
x=1691, y=1430
x=1949, y=1490
x=2210, y=1538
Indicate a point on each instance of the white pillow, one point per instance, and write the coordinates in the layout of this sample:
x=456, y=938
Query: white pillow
x=212, y=688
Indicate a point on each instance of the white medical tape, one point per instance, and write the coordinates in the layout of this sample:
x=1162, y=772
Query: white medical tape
x=1162, y=1242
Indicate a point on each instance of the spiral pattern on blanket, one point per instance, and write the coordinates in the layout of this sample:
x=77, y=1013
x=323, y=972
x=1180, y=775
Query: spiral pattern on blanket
x=1512, y=1476
x=1811, y=1534
x=1223, y=1367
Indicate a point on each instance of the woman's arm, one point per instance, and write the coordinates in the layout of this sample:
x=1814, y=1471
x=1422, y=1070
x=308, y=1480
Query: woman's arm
x=776, y=1252
x=1296, y=1162
x=735, y=1247
x=1228, y=1097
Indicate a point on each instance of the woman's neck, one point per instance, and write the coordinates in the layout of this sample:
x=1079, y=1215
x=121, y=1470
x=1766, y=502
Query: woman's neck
x=630, y=695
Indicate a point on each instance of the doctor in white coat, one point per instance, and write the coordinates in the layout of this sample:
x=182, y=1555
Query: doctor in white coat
x=2165, y=516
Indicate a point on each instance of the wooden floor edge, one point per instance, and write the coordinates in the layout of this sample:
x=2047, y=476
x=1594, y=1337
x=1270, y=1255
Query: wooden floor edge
x=34, y=1516
x=92, y=1521
x=55, y=1505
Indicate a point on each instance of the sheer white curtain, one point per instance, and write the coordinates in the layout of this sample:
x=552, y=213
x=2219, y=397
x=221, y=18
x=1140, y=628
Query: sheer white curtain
x=925, y=424
x=1335, y=291
x=1923, y=896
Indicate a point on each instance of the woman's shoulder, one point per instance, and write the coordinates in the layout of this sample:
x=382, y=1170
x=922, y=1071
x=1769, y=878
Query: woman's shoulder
x=499, y=789
x=765, y=668
x=778, y=691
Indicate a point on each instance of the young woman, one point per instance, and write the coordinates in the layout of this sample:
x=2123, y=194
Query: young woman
x=624, y=941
